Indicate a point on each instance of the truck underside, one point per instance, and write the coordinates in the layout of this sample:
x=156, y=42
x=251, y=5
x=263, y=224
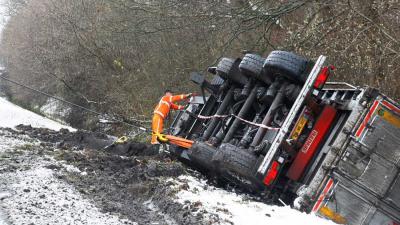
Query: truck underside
x=274, y=126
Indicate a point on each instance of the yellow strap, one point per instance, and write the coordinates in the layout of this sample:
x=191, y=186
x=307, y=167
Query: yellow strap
x=121, y=140
x=161, y=137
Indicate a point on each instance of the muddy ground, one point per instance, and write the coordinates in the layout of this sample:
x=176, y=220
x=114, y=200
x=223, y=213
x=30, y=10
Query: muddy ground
x=129, y=180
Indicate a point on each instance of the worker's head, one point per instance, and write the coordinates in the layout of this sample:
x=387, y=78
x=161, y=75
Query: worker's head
x=168, y=92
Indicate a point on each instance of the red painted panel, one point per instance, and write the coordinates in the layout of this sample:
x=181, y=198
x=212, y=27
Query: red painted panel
x=367, y=118
x=311, y=145
x=322, y=196
x=391, y=107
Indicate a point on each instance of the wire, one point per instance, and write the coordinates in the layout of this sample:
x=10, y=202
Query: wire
x=73, y=104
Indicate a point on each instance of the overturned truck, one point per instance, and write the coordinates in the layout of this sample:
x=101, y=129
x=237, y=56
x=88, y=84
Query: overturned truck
x=275, y=126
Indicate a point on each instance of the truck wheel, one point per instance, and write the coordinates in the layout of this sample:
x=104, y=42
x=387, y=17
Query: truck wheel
x=251, y=64
x=287, y=64
x=217, y=80
x=201, y=155
x=228, y=69
x=224, y=67
x=237, y=163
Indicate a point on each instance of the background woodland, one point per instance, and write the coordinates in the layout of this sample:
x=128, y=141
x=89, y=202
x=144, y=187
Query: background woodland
x=118, y=56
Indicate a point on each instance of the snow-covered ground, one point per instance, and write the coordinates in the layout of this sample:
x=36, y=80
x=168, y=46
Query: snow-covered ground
x=33, y=194
x=239, y=209
x=37, y=191
x=12, y=115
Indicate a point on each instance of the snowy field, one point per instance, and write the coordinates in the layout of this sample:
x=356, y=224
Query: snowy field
x=33, y=194
x=12, y=115
x=238, y=209
x=60, y=203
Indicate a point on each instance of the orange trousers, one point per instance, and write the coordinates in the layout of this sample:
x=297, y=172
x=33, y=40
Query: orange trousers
x=157, y=127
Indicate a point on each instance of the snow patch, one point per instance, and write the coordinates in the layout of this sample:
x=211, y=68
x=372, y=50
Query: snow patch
x=3, y=220
x=71, y=168
x=4, y=195
x=152, y=207
x=8, y=142
x=34, y=194
x=33, y=191
x=239, y=208
x=12, y=115
x=52, y=109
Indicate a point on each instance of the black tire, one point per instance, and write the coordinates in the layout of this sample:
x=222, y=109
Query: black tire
x=237, y=163
x=224, y=67
x=217, y=80
x=252, y=65
x=201, y=155
x=228, y=69
x=287, y=64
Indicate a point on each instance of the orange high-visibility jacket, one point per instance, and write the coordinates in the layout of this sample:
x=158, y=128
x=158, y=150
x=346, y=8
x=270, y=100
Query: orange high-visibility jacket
x=161, y=112
x=167, y=102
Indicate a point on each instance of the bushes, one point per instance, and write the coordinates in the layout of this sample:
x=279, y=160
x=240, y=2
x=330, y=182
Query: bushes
x=118, y=56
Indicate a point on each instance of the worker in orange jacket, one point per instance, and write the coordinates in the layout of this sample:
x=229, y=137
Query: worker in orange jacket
x=162, y=110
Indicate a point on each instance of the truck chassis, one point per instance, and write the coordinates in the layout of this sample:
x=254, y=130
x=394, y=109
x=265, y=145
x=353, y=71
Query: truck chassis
x=275, y=127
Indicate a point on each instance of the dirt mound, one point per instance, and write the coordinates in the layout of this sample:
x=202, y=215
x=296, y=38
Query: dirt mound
x=84, y=139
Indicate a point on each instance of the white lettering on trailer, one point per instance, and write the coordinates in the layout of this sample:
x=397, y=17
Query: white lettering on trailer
x=309, y=141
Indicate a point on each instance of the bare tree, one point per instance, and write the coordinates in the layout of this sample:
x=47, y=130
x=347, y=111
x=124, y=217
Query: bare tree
x=118, y=56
